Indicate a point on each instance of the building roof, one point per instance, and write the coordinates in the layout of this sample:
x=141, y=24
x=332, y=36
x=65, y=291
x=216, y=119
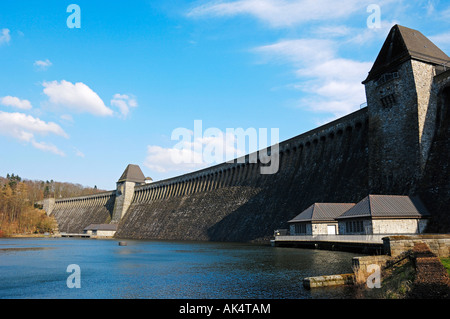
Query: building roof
x=403, y=44
x=132, y=173
x=387, y=206
x=101, y=227
x=322, y=212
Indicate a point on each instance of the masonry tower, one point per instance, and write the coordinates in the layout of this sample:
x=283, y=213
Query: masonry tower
x=131, y=177
x=402, y=110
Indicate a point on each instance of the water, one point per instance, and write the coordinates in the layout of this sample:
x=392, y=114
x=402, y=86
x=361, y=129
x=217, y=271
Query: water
x=37, y=268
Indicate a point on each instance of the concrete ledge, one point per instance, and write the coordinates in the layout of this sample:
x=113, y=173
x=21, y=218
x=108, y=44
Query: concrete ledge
x=439, y=244
x=326, y=281
x=361, y=263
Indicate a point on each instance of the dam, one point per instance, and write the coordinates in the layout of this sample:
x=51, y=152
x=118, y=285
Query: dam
x=399, y=144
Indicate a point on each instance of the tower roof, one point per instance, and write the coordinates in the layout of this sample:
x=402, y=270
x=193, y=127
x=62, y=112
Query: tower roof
x=403, y=44
x=132, y=173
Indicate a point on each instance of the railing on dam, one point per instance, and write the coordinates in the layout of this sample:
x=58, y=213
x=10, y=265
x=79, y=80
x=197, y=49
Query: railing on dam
x=363, y=239
x=98, y=199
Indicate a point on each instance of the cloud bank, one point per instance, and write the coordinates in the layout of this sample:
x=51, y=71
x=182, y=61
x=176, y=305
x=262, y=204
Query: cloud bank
x=24, y=128
x=15, y=102
x=42, y=65
x=5, y=37
x=123, y=102
x=77, y=97
x=282, y=13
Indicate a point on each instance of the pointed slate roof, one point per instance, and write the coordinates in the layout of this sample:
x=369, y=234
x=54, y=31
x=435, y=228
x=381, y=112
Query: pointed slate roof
x=322, y=212
x=403, y=44
x=387, y=206
x=132, y=173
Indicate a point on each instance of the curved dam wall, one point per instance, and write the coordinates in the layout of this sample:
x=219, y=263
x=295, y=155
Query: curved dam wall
x=74, y=214
x=234, y=202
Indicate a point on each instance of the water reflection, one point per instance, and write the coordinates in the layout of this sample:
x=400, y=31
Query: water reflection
x=165, y=270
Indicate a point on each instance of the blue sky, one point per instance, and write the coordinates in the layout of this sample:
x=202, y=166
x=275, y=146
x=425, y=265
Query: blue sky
x=79, y=104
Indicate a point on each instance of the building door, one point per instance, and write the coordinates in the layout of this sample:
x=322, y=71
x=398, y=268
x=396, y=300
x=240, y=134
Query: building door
x=331, y=229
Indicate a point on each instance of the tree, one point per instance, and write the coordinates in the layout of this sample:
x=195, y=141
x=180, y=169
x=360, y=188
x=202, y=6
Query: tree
x=13, y=180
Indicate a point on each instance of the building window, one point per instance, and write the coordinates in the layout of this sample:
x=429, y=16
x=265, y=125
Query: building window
x=388, y=101
x=354, y=226
x=300, y=228
x=387, y=77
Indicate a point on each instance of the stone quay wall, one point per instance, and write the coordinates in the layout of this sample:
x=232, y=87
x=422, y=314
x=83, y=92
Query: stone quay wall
x=439, y=244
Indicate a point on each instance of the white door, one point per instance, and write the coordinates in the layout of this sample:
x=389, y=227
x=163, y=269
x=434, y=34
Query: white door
x=331, y=229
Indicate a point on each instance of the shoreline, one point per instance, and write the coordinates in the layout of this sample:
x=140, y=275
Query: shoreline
x=29, y=236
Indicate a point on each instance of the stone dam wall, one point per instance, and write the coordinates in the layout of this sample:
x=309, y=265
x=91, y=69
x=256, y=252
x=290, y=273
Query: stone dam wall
x=434, y=188
x=74, y=214
x=234, y=202
x=398, y=145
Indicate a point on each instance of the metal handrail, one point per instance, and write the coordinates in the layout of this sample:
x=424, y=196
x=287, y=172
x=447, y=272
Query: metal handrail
x=378, y=239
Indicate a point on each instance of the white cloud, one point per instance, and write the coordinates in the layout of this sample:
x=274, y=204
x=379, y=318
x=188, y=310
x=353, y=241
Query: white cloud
x=67, y=118
x=283, y=13
x=5, y=37
x=441, y=40
x=15, y=122
x=298, y=51
x=47, y=147
x=332, y=30
x=430, y=6
x=444, y=14
x=78, y=152
x=123, y=102
x=42, y=65
x=15, y=102
x=330, y=84
x=194, y=154
x=370, y=35
x=161, y=160
x=335, y=86
x=24, y=128
x=77, y=97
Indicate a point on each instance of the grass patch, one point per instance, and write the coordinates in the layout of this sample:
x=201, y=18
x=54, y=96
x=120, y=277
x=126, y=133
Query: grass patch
x=446, y=263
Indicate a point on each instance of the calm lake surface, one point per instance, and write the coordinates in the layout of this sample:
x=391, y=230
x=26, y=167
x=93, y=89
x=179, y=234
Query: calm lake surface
x=37, y=268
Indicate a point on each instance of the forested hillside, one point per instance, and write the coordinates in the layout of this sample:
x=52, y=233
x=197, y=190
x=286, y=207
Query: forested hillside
x=18, y=196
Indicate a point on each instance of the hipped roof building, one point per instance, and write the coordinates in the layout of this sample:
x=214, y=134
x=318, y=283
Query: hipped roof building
x=374, y=214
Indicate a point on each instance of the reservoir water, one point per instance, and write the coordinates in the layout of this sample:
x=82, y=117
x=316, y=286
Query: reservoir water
x=37, y=268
